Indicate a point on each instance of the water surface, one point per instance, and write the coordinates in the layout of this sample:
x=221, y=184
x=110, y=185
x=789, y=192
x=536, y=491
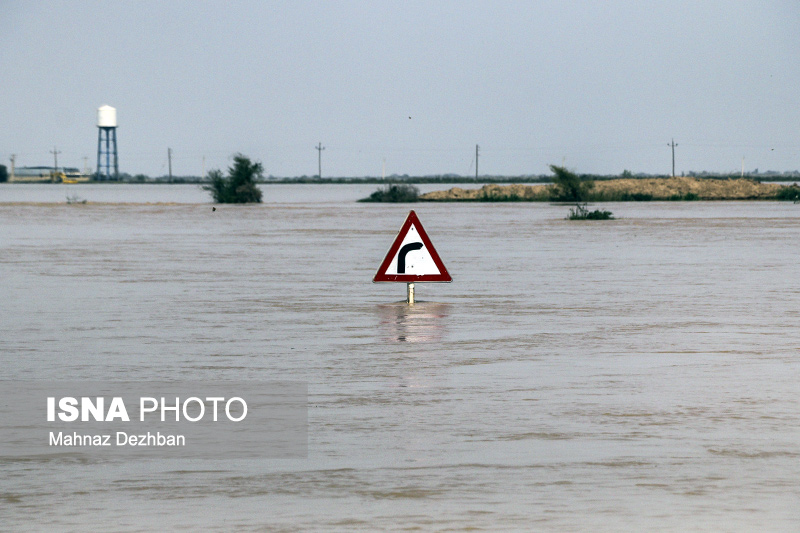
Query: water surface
x=635, y=374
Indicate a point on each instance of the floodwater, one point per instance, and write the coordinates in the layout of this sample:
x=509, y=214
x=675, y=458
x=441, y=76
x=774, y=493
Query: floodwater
x=635, y=374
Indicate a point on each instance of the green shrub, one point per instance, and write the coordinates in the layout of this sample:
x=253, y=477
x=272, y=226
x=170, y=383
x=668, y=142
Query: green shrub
x=791, y=193
x=569, y=187
x=688, y=197
x=581, y=213
x=402, y=193
x=511, y=197
x=619, y=196
x=636, y=197
x=239, y=187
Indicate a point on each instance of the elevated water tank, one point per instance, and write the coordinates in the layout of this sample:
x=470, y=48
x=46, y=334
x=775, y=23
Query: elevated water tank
x=106, y=117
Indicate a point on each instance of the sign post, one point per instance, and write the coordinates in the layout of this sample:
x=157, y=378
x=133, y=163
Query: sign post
x=412, y=258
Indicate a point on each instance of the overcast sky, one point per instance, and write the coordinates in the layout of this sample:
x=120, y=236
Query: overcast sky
x=599, y=86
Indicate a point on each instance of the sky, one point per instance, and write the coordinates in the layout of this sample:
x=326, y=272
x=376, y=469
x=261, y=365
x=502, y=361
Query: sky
x=410, y=87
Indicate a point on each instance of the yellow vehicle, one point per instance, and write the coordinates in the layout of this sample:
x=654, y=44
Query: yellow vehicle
x=69, y=175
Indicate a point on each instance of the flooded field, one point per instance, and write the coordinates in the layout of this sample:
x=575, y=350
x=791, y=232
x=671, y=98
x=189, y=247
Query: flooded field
x=635, y=374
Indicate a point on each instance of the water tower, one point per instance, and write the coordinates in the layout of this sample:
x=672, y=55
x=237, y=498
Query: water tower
x=107, y=144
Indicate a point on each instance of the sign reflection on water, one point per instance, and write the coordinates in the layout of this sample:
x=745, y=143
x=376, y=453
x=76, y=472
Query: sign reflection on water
x=423, y=322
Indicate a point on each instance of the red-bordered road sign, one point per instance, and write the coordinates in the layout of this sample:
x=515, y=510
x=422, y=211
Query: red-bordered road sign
x=412, y=257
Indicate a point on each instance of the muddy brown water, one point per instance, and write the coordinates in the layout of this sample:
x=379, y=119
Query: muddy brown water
x=635, y=374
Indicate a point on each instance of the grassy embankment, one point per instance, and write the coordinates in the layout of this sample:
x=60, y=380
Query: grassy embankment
x=624, y=190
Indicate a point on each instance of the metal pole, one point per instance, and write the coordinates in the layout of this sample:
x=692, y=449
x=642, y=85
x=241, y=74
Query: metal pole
x=319, y=149
x=116, y=156
x=673, y=158
x=55, y=153
x=410, y=300
x=673, y=145
x=108, y=154
x=98, y=176
x=476, y=162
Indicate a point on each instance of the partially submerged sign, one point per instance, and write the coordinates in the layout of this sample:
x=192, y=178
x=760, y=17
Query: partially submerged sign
x=412, y=257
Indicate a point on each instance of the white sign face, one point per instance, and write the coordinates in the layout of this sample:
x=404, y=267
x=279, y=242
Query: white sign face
x=412, y=258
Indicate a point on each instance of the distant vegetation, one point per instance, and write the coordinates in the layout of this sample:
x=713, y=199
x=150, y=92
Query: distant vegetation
x=573, y=188
x=239, y=187
x=685, y=197
x=529, y=178
x=3, y=174
x=769, y=175
x=395, y=193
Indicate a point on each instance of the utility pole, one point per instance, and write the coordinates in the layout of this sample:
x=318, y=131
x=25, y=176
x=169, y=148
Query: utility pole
x=13, y=161
x=86, y=165
x=55, y=153
x=673, y=145
x=742, y=167
x=169, y=161
x=319, y=149
x=476, y=161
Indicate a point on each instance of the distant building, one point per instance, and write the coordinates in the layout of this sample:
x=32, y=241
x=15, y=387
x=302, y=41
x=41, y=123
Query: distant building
x=32, y=175
x=47, y=175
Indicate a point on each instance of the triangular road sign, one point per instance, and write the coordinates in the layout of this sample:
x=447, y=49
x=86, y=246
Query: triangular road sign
x=412, y=258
